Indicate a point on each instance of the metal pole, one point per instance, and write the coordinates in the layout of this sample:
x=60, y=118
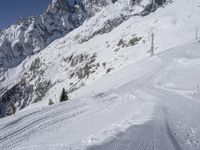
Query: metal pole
x=152, y=44
x=196, y=36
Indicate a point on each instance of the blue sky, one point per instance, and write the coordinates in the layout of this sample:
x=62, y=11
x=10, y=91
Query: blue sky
x=12, y=10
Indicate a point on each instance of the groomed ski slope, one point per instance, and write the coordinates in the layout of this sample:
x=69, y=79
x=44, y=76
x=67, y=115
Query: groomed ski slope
x=148, y=105
x=170, y=80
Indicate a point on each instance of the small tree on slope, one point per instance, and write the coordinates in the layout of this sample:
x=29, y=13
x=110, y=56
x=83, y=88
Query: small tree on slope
x=64, y=96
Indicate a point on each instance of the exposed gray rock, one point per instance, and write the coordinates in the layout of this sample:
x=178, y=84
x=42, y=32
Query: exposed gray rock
x=153, y=6
x=17, y=94
x=29, y=36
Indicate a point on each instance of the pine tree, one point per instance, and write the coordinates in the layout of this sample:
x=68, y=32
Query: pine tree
x=64, y=96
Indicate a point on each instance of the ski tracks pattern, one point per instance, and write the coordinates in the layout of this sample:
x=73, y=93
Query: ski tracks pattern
x=153, y=135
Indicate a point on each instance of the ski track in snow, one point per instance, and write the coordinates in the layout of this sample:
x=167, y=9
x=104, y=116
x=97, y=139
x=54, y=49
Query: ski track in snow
x=153, y=135
x=174, y=125
x=25, y=127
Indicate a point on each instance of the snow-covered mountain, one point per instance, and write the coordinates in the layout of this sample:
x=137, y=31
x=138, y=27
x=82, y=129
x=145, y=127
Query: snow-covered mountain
x=102, y=59
x=29, y=36
x=26, y=77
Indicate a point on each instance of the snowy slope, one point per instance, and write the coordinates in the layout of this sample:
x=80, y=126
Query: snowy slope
x=171, y=29
x=66, y=125
x=113, y=83
x=136, y=96
x=115, y=37
x=74, y=60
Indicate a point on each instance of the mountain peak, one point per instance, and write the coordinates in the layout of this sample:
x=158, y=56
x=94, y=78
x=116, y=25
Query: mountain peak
x=57, y=5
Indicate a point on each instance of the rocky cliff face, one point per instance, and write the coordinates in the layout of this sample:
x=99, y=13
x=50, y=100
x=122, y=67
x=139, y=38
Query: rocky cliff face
x=28, y=37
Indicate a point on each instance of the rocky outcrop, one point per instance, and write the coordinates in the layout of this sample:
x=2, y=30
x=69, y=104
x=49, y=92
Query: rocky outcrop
x=29, y=36
x=151, y=7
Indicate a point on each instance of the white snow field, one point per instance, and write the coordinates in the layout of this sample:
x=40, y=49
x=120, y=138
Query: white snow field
x=146, y=105
x=171, y=80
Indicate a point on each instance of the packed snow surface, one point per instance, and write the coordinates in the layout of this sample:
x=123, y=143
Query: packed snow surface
x=133, y=105
x=142, y=103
